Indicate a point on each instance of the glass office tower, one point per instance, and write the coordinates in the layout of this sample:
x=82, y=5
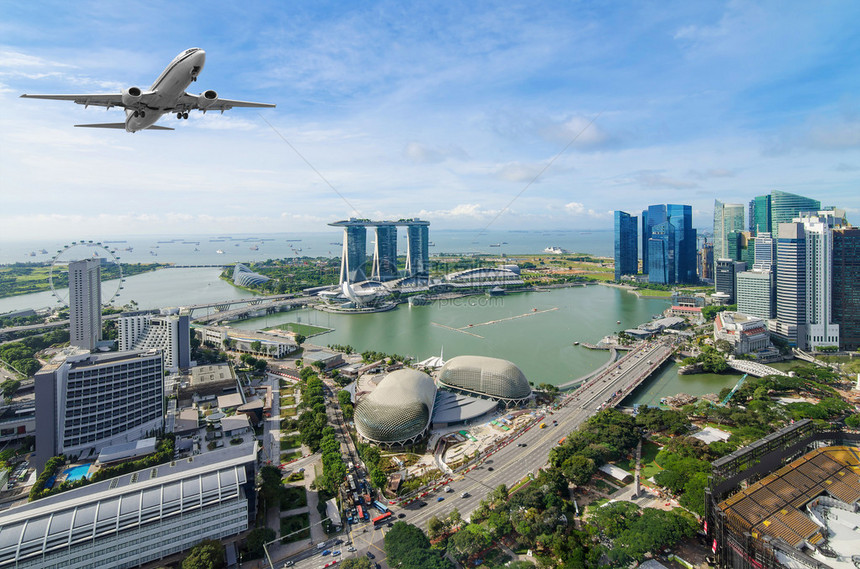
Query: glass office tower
x=626, y=245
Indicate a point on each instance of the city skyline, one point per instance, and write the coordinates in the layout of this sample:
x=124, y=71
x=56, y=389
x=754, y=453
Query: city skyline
x=445, y=115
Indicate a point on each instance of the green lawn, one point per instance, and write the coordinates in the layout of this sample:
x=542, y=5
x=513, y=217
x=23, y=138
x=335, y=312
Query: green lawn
x=289, y=412
x=290, y=441
x=304, y=329
x=655, y=293
x=295, y=528
x=293, y=497
x=288, y=456
x=288, y=400
x=649, y=467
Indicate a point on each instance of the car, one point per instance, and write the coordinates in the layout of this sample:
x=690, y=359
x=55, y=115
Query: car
x=289, y=563
x=401, y=516
x=326, y=552
x=422, y=504
x=338, y=541
x=370, y=555
x=335, y=553
x=490, y=469
x=350, y=549
x=389, y=524
x=440, y=498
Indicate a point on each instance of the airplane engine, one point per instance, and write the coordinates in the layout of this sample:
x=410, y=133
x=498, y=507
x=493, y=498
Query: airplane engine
x=131, y=96
x=206, y=98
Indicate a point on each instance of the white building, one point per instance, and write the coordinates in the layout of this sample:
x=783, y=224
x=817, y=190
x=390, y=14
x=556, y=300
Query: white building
x=747, y=334
x=820, y=329
x=136, y=518
x=245, y=341
x=484, y=276
x=85, y=402
x=168, y=333
x=85, y=303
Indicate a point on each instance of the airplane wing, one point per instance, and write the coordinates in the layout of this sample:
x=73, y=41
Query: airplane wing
x=192, y=102
x=120, y=125
x=94, y=99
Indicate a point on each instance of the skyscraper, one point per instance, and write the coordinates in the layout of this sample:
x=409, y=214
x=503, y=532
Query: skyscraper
x=417, y=248
x=755, y=293
x=760, y=215
x=706, y=262
x=725, y=277
x=354, y=257
x=385, y=253
x=85, y=303
x=791, y=283
x=728, y=218
x=764, y=257
x=846, y=285
x=675, y=244
x=821, y=330
x=784, y=207
x=168, y=332
x=626, y=245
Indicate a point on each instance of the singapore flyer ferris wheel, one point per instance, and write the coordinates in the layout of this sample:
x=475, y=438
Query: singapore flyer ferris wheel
x=111, y=270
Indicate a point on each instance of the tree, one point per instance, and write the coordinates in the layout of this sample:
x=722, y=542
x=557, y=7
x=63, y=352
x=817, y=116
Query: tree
x=378, y=478
x=255, y=541
x=435, y=527
x=425, y=559
x=256, y=346
x=853, y=421
x=468, y=541
x=300, y=339
x=208, y=554
x=403, y=538
x=579, y=469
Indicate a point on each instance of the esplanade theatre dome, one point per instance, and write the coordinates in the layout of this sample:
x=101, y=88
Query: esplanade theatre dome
x=399, y=410
x=486, y=377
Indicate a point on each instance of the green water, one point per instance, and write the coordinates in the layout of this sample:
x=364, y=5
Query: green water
x=539, y=340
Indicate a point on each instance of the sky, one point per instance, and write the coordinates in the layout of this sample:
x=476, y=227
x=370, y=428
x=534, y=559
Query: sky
x=472, y=115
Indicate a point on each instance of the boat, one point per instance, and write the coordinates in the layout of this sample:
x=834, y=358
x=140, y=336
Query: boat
x=618, y=321
x=576, y=343
x=220, y=252
x=495, y=244
x=43, y=251
x=32, y=253
x=254, y=247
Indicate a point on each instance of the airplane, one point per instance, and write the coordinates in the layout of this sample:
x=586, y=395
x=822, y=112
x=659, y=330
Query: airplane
x=166, y=95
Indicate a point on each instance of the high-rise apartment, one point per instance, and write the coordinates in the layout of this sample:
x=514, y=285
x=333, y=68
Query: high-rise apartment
x=168, y=332
x=846, y=285
x=85, y=303
x=85, y=402
x=626, y=245
x=728, y=218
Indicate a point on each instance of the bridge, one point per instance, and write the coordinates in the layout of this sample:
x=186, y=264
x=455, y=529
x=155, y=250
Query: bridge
x=754, y=368
x=617, y=380
x=245, y=311
x=223, y=305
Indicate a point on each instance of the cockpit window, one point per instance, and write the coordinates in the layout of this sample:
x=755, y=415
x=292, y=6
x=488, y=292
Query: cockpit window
x=192, y=50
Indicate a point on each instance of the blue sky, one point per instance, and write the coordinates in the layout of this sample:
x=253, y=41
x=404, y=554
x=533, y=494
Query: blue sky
x=441, y=110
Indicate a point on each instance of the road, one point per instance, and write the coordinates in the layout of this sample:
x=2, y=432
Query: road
x=522, y=454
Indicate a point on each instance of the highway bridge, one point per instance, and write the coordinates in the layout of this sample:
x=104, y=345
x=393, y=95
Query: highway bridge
x=245, y=311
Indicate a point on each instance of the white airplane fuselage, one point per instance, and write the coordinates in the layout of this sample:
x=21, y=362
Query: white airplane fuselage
x=168, y=88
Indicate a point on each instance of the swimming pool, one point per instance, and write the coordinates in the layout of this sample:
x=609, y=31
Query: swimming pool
x=76, y=472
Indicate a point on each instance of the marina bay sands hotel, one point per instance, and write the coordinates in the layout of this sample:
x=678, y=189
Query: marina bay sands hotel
x=384, y=268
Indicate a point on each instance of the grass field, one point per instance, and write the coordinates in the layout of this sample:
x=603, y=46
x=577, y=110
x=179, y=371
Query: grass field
x=289, y=412
x=655, y=293
x=295, y=528
x=288, y=400
x=293, y=497
x=290, y=441
x=288, y=456
x=649, y=467
x=305, y=330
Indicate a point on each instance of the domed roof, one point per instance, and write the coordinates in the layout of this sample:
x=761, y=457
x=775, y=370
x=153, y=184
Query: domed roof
x=493, y=377
x=398, y=409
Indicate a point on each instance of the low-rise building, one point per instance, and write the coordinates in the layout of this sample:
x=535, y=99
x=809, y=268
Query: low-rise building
x=746, y=334
x=136, y=518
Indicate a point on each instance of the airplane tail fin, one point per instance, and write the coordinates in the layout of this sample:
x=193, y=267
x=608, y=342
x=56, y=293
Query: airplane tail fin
x=120, y=125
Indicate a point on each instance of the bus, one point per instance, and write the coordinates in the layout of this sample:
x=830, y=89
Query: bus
x=361, y=514
x=381, y=518
x=351, y=482
x=380, y=506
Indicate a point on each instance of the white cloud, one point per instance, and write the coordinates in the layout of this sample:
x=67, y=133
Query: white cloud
x=655, y=179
